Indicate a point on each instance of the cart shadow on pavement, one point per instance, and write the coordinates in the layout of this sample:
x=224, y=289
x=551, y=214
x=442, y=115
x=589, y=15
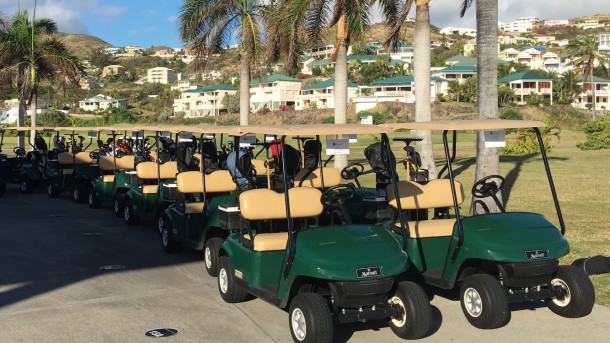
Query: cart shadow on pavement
x=344, y=332
x=48, y=245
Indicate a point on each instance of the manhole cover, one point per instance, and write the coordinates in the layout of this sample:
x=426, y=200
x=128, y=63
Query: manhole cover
x=112, y=267
x=158, y=333
x=92, y=234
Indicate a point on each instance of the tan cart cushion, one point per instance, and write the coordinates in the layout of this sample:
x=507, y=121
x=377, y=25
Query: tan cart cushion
x=67, y=158
x=260, y=204
x=106, y=163
x=219, y=181
x=269, y=241
x=434, y=194
x=149, y=170
x=332, y=177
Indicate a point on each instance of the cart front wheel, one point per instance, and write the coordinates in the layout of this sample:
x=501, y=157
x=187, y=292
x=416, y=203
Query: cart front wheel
x=310, y=319
x=170, y=245
x=415, y=319
x=576, y=293
x=229, y=290
x=210, y=255
x=484, y=301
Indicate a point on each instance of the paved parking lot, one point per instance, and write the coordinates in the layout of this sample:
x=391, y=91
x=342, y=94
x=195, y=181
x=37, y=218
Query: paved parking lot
x=53, y=290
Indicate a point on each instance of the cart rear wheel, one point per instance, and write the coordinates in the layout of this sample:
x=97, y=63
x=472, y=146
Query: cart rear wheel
x=577, y=295
x=79, y=193
x=93, y=200
x=128, y=213
x=52, y=191
x=26, y=186
x=210, y=255
x=416, y=313
x=310, y=319
x=118, y=204
x=170, y=245
x=484, y=301
x=229, y=290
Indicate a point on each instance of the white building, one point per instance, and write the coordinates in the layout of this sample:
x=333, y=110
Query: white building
x=604, y=43
x=560, y=22
x=183, y=86
x=395, y=89
x=161, y=75
x=40, y=103
x=585, y=98
x=321, y=95
x=273, y=91
x=589, y=25
x=465, y=31
x=101, y=102
x=523, y=24
x=203, y=101
x=320, y=51
x=402, y=52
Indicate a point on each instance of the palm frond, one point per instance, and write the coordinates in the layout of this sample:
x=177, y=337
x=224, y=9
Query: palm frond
x=395, y=22
x=465, y=6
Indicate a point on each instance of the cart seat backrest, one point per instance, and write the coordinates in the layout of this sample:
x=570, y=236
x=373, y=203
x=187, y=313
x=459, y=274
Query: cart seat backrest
x=416, y=196
x=106, y=163
x=261, y=204
x=67, y=158
x=219, y=181
x=332, y=177
x=259, y=166
x=149, y=170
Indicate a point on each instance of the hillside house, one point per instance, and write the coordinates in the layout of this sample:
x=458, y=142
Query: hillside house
x=585, y=98
x=321, y=95
x=101, y=102
x=273, y=91
x=527, y=83
x=203, y=101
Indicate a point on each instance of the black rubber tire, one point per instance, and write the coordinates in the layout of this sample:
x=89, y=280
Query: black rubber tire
x=579, y=293
x=26, y=186
x=493, y=311
x=170, y=245
x=52, y=191
x=80, y=193
x=210, y=255
x=229, y=290
x=118, y=205
x=416, y=321
x=128, y=213
x=92, y=199
x=310, y=319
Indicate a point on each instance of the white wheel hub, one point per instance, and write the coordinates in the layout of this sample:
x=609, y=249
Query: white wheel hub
x=567, y=295
x=223, y=280
x=399, y=322
x=75, y=194
x=116, y=206
x=472, y=302
x=91, y=198
x=160, y=223
x=207, y=255
x=299, y=326
x=165, y=237
x=126, y=213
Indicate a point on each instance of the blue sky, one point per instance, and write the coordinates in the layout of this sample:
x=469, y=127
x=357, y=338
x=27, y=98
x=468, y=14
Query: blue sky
x=154, y=22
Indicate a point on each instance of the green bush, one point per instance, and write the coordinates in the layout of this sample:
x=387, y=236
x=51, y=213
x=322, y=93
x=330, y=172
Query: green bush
x=526, y=142
x=511, y=114
x=598, y=135
x=231, y=101
x=328, y=120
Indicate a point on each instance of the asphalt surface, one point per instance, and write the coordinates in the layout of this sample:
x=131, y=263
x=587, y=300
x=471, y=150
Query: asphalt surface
x=53, y=290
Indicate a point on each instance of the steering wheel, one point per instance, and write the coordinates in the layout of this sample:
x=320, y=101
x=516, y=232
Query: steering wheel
x=352, y=171
x=488, y=186
x=19, y=151
x=335, y=196
x=94, y=154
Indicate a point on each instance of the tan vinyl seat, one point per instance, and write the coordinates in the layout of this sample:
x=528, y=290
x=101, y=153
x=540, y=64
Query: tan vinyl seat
x=108, y=178
x=68, y=158
x=150, y=171
x=263, y=204
x=332, y=177
x=259, y=167
x=219, y=181
x=150, y=189
x=434, y=194
x=106, y=163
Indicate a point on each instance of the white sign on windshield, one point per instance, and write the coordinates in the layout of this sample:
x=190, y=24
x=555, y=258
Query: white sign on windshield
x=495, y=139
x=92, y=134
x=353, y=138
x=337, y=146
x=246, y=141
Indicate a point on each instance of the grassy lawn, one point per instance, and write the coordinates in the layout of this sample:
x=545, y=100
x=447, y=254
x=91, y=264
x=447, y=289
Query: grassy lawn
x=582, y=179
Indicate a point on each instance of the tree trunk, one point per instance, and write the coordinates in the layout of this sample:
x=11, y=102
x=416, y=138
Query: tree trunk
x=340, y=91
x=422, y=67
x=488, y=161
x=592, y=90
x=22, y=111
x=244, y=90
x=34, y=113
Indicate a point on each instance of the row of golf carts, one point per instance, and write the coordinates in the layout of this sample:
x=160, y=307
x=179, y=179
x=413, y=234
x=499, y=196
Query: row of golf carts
x=278, y=223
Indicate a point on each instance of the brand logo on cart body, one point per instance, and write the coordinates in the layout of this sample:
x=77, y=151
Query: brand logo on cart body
x=367, y=272
x=536, y=254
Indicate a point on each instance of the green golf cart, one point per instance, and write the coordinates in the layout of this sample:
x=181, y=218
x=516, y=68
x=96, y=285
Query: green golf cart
x=494, y=258
x=156, y=188
x=74, y=169
x=118, y=176
x=33, y=172
x=321, y=274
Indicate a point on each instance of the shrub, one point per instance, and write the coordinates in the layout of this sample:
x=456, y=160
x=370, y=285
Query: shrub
x=511, y=114
x=231, y=101
x=598, y=135
x=328, y=120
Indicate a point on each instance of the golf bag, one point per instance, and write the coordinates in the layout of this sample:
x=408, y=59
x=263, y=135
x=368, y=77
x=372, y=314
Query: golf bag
x=184, y=157
x=241, y=170
x=382, y=165
x=293, y=164
x=210, y=156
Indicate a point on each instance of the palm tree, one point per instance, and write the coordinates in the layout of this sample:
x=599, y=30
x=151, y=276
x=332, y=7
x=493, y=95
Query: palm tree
x=583, y=51
x=30, y=53
x=565, y=88
x=488, y=160
x=302, y=22
x=209, y=25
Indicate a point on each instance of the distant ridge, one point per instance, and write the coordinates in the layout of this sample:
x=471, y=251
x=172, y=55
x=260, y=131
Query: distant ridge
x=81, y=45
